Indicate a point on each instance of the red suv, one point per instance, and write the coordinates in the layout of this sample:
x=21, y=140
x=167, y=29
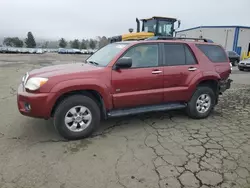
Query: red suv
x=127, y=78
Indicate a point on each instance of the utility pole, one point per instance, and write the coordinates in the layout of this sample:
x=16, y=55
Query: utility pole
x=227, y=30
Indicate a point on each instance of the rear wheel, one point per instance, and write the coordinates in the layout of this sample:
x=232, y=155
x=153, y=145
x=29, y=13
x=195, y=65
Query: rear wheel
x=77, y=117
x=241, y=69
x=201, y=103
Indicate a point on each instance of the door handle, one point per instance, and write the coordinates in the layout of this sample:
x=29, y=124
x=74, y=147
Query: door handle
x=156, y=72
x=192, y=68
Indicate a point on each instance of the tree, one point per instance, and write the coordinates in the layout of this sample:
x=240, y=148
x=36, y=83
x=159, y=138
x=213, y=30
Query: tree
x=62, y=43
x=92, y=44
x=7, y=41
x=30, y=40
x=75, y=44
x=13, y=42
x=83, y=44
x=103, y=41
x=18, y=42
x=45, y=44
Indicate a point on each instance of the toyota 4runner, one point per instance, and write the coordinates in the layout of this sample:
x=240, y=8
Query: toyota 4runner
x=127, y=78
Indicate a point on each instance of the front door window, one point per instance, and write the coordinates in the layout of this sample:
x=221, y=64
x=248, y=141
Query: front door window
x=145, y=55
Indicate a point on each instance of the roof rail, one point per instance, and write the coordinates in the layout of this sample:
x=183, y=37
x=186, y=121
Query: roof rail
x=178, y=38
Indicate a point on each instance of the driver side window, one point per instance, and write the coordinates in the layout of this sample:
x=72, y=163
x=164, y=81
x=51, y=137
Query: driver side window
x=144, y=55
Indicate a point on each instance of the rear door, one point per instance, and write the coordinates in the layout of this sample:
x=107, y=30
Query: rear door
x=217, y=55
x=142, y=84
x=180, y=67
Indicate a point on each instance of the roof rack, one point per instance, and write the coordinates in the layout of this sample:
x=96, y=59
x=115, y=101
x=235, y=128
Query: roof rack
x=178, y=38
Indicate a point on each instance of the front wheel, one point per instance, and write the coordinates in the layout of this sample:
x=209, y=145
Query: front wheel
x=201, y=103
x=77, y=117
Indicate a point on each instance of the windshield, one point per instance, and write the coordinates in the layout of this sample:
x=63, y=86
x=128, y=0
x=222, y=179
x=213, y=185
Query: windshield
x=149, y=25
x=103, y=56
x=165, y=28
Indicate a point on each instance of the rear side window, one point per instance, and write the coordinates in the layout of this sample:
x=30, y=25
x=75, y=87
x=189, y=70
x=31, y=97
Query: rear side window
x=214, y=53
x=190, y=60
x=178, y=54
x=174, y=54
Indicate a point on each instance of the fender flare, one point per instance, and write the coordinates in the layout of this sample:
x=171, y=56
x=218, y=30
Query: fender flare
x=203, y=77
x=67, y=86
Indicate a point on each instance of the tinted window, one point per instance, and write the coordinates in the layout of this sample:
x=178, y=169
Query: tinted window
x=174, y=54
x=149, y=25
x=232, y=53
x=213, y=52
x=190, y=60
x=145, y=55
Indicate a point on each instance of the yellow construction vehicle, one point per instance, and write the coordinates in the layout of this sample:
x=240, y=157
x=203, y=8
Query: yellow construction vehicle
x=155, y=26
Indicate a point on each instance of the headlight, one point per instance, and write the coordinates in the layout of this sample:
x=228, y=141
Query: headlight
x=35, y=83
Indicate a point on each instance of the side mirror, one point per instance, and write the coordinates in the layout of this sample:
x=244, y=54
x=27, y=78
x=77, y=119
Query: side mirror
x=124, y=62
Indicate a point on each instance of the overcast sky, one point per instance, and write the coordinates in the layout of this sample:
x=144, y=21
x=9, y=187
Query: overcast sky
x=90, y=18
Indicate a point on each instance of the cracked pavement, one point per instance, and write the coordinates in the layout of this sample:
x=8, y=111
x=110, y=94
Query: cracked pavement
x=154, y=150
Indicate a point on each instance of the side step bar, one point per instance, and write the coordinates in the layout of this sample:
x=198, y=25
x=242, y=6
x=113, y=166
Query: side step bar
x=144, y=109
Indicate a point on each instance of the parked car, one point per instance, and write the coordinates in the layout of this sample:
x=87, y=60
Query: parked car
x=32, y=50
x=76, y=51
x=244, y=64
x=25, y=50
x=127, y=78
x=39, y=51
x=91, y=51
x=4, y=49
x=234, y=58
x=62, y=51
x=84, y=51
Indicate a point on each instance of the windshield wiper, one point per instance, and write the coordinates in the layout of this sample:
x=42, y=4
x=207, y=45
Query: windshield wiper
x=92, y=62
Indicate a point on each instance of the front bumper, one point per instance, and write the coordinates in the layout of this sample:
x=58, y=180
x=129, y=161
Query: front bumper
x=224, y=85
x=241, y=66
x=33, y=104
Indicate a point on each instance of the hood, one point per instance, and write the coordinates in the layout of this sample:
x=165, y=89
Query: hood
x=57, y=70
x=245, y=61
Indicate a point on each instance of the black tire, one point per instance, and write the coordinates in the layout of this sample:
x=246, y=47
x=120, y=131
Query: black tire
x=241, y=69
x=65, y=106
x=236, y=63
x=191, y=107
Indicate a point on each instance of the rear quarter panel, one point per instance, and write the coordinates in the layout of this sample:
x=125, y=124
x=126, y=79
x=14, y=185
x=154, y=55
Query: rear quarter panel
x=207, y=70
x=223, y=69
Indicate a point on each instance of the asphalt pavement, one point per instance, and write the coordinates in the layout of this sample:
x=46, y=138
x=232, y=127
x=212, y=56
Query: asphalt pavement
x=154, y=150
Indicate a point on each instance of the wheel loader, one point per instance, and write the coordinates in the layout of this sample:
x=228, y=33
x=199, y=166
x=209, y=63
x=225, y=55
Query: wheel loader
x=155, y=26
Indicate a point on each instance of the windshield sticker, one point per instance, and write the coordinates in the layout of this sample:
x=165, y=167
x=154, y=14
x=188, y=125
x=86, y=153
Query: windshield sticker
x=120, y=46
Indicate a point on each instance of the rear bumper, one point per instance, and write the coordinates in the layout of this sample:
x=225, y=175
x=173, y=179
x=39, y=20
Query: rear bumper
x=224, y=85
x=233, y=59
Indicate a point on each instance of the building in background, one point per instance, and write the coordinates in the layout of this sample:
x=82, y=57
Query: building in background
x=232, y=38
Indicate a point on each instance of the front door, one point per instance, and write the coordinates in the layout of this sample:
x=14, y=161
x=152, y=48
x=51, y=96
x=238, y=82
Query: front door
x=142, y=84
x=180, y=67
